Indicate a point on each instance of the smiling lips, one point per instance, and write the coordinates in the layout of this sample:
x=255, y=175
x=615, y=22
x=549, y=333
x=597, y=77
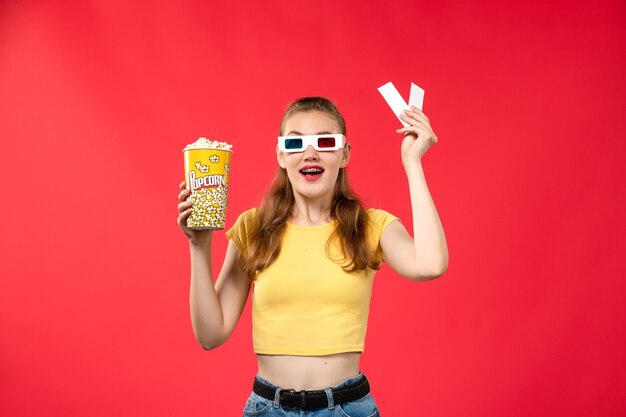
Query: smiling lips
x=311, y=172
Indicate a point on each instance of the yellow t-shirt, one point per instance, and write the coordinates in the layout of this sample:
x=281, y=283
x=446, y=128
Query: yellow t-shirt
x=305, y=303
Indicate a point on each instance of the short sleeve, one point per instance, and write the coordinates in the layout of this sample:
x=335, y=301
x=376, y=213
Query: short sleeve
x=240, y=231
x=379, y=221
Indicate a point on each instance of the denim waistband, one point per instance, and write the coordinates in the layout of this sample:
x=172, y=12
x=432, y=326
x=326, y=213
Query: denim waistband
x=345, y=383
x=348, y=390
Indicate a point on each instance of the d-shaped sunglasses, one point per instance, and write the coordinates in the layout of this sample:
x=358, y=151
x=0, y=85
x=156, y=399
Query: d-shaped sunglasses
x=319, y=142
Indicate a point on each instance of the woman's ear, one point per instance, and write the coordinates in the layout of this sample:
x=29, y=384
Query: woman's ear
x=346, y=155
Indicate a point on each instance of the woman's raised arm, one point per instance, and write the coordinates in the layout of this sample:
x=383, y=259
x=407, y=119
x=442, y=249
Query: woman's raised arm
x=425, y=255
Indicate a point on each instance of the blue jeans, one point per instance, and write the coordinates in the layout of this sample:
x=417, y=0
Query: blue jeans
x=257, y=406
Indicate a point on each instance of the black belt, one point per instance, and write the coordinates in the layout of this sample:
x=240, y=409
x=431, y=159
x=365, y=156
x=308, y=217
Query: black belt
x=307, y=400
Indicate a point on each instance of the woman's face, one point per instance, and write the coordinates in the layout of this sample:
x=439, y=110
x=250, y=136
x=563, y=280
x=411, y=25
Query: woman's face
x=312, y=173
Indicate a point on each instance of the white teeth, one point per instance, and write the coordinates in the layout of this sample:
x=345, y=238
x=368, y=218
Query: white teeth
x=312, y=171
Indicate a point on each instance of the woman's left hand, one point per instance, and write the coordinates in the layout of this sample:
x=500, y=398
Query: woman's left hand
x=418, y=136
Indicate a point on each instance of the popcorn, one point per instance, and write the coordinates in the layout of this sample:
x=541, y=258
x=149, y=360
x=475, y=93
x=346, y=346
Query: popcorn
x=207, y=172
x=204, y=143
x=209, y=208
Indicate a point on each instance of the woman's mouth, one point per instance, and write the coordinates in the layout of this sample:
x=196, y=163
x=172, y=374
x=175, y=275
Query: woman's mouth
x=311, y=172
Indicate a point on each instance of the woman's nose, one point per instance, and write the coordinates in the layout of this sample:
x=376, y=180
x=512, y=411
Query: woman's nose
x=310, y=154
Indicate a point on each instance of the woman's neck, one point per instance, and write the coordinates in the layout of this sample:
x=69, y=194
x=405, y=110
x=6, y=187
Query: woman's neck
x=311, y=212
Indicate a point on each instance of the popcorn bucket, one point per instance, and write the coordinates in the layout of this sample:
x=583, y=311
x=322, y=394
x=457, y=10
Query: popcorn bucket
x=207, y=172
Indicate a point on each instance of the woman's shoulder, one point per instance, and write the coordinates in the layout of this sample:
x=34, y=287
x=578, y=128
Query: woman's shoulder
x=376, y=215
x=380, y=219
x=246, y=215
x=247, y=219
x=244, y=224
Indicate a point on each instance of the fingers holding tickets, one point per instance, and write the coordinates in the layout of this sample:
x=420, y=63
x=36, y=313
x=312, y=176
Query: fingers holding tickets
x=415, y=116
x=419, y=135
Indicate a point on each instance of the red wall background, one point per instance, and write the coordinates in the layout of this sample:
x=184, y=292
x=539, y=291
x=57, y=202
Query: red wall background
x=97, y=99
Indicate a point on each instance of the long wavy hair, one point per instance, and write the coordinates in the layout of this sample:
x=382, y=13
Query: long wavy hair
x=352, y=221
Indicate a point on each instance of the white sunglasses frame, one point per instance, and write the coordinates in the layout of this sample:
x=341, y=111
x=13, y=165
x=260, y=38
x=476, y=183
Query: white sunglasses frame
x=340, y=142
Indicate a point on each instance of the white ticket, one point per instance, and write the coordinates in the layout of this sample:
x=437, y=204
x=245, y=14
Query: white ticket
x=417, y=96
x=397, y=103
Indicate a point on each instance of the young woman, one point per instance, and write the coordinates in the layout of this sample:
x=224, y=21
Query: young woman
x=311, y=251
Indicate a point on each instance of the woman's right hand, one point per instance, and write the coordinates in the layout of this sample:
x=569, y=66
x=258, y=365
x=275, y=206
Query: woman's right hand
x=196, y=237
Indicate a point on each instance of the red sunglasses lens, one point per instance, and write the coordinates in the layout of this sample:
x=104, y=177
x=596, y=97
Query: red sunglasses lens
x=326, y=142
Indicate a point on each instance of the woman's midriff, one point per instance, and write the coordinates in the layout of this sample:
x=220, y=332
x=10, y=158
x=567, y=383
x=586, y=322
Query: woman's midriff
x=308, y=372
